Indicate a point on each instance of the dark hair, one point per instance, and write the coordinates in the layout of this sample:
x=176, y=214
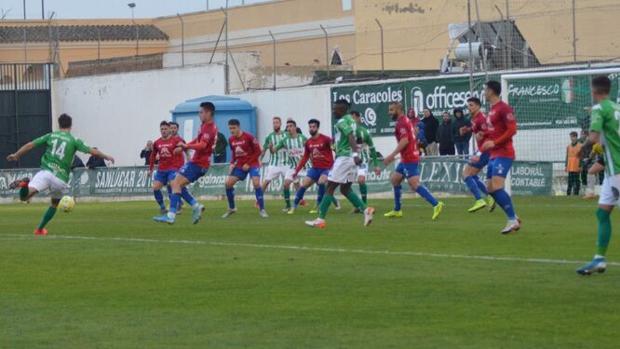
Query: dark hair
x=343, y=102
x=291, y=121
x=65, y=121
x=164, y=123
x=234, y=122
x=277, y=118
x=171, y=123
x=475, y=100
x=601, y=84
x=314, y=121
x=356, y=113
x=208, y=106
x=494, y=86
x=574, y=134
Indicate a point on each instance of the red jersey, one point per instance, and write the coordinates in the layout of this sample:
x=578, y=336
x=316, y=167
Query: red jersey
x=319, y=151
x=479, y=128
x=179, y=159
x=502, y=126
x=245, y=150
x=163, y=150
x=404, y=130
x=203, y=144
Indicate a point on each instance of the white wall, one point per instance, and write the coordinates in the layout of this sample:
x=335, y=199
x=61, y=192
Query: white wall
x=120, y=112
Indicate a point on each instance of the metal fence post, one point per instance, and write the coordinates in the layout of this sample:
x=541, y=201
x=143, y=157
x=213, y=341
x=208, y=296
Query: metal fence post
x=382, y=48
x=327, y=63
x=182, y=40
x=273, y=38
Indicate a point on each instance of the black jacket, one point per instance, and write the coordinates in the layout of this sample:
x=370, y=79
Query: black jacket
x=146, y=155
x=94, y=162
x=444, y=136
x=457, y=124
x=430, y=129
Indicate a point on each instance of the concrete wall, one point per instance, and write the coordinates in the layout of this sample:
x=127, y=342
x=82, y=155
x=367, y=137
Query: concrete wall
x=119, y=113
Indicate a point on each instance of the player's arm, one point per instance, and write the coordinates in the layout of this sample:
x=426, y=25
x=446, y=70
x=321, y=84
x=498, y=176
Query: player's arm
x=304, y=159
x=257, y=151
x=596, y=125
x=265, y=147
x=28, y=147
x=98, y=153
x=402, y=144
x=371, y=147
x=152, y=158
x=511, y=130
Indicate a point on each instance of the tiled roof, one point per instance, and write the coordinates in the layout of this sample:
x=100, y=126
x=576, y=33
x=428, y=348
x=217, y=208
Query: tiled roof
x=13, y=34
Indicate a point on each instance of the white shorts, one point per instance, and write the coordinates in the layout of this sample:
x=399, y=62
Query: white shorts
x=291, y=171
x=344, y=170
x=274, y=172
x=46, y=181
x=362, y=170
x=610, y=191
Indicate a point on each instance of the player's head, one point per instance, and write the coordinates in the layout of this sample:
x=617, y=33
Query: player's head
x=458, y=112
x=573, y=136
x=65, y=122
x=445, y=116
x=356, y=116
x=473, y=104
x=291, y=127
x=492, y=90
x=164, y=129
x=601, y=86
x=234, y=126
x=313, y=127
x=340, y=108
x=395, y=110
x=207, y=110
x=174, y=128
x=277, y=123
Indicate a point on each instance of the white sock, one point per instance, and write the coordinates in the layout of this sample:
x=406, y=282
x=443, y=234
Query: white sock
x=172, y=215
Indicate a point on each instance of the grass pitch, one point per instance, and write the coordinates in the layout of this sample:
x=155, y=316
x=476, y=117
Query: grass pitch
x=109, y=277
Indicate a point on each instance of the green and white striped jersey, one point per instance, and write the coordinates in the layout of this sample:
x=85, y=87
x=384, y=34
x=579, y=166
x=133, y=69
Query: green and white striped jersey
x=368, y=151
x=606, y=121
x=279, y=158
x=294, y=148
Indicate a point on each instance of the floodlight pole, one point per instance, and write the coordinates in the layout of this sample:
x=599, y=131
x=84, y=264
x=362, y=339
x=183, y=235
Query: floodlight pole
x=182, y=39
x=471, y=55
x=382, y=48
x=327, y=63
x=275, y=71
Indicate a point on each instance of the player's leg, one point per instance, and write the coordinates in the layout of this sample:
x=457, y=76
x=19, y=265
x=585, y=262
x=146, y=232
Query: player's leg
x=500, y=168
x=47, y=216
x=236, y=175
x=362, y=172
x=475, y=186
x=396, y=178
x=299, y=195
x=286, y=190
x=45, y=180
x=258, y=191
x=179, y=188
x=159, y=180
x=353, y=198
x=415, y=185
x=26, y=190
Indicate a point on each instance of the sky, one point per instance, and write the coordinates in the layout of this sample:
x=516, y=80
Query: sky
x=110, y=8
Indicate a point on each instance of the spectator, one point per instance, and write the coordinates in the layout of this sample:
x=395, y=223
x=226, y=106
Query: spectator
x=430, y=130
x=77, y=162
x=146, y=152
x=588, y=181
x=573, y=168
x=95, y=162
x=444, y=136
x=461, y=141
x=421, y=136
x=219, y=153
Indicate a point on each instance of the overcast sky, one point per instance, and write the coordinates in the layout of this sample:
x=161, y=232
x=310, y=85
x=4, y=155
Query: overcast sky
x=110, y=8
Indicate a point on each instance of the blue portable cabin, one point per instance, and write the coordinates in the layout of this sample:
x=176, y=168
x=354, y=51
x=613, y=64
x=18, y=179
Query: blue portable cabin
x=226, y=108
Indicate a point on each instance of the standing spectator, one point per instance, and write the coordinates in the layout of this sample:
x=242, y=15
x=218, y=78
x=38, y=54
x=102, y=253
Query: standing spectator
x=219, y=153
x=420, y=134
x=573, y=162
x=588, y=181
x=77, y=162
x=95, y=162
x=430, y=130
x=146, y=152
x=444, y=136
x=461, y=141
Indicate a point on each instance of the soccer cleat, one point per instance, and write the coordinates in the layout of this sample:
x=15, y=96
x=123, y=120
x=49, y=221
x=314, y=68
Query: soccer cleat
x=317, y=223
x=291, y=211
x=286, y=209
x=394, y=214
x=42, y=232
x=337, y=204
x=491, y=204
x=19, y=183
x=598, y=265
x=164, y=219
x=437, y=210
x=263, y=214
x=478, y=205
x=512, y=226
x=369, y=214
x=163, y=211
x=315, y=210
x=230, y=212
x=197, y=212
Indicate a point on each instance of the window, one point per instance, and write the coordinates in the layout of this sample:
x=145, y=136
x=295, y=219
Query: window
x=347, y=5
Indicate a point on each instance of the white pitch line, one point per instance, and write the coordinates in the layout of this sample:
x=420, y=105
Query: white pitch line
x=319, y=249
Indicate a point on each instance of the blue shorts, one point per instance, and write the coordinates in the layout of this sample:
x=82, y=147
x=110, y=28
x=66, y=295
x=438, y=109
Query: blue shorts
x=242, y=175
x=499, y=167
x=408, y=169
x=192, y=172
x=484, y=160
x=164, y=177
x=316, y=173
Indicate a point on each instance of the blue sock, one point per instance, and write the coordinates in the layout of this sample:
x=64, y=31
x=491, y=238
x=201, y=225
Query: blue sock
x=159, y=197
x=503, y=199
x=426, y=195
x=230, y=195
x=481, y=186
x=473, y=187
x=299, y=196
x=259, y=197
x=169, y=189
x=320, y=193
x=187, y=197
x=174, y=203
x=398, y=193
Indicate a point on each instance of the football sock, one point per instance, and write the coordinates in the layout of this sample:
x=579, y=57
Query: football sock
x=481, y=186
x=299, y=196
x=23, y=193
x=324, y=206
x=364, y=192
x=187, y=196
x=355, y=200
x=159, y=197
x=423, y=192
x=503, y=199
x=230, y=195
x=47, y=217
x=398, y=193
x=258, y=192
x=287, y=197
x=174, y=204
x=473, y=187
x=604, y=231
x=320, y=194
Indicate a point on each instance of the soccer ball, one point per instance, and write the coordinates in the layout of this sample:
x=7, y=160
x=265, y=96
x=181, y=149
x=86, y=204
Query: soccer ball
x=67, y=203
